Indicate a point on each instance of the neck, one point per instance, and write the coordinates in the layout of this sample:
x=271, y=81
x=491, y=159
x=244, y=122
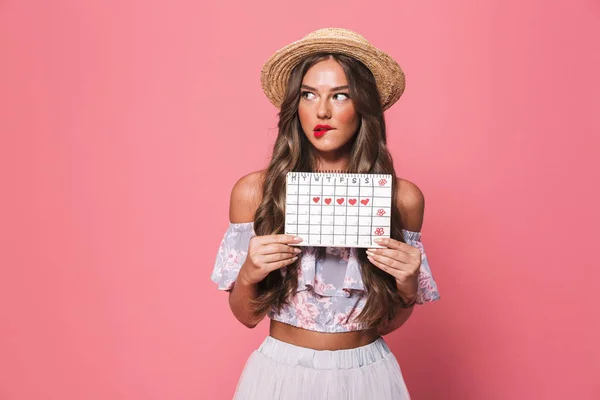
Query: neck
x=333, y=163
x=335, y=160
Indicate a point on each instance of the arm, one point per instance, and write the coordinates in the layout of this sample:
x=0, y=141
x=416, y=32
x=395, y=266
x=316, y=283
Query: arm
x=266, y=253
x=245, y=199
x=239, y=303
x=411, y=204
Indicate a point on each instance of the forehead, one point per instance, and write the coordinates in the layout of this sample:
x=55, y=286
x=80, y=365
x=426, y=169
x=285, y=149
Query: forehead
x=325, y=73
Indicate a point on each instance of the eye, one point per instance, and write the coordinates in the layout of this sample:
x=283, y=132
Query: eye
x=307, y=95
x=341, y=96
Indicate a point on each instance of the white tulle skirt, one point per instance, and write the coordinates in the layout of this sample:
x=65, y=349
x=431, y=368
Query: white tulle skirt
x=283, y=371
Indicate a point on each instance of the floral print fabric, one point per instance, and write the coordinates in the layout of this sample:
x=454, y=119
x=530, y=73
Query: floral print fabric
x=331, y=291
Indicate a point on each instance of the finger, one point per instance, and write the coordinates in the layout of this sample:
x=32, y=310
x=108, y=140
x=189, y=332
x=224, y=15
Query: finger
x=398, y=255
x=278, y=248
x=270, y=258
x=392, y=271
x=388, y=262
x=285, y=239
x=280, y=264
x=393, y=244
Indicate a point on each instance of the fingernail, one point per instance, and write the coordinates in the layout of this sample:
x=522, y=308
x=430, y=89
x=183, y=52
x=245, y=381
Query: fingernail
x=294, y=258
x=297, y=250
x=378, y=240
x=369, y=252
x=298, y=239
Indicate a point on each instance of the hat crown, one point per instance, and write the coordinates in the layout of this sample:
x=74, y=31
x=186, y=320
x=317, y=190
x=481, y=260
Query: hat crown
x=336, y=33
x=388, y=75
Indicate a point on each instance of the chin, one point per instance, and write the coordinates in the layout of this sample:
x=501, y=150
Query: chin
x=328, y=149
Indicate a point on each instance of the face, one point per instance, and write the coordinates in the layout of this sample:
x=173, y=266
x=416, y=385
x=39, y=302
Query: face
x=326, y=112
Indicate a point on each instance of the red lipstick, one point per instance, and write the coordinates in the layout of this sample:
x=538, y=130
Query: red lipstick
x=321, y=130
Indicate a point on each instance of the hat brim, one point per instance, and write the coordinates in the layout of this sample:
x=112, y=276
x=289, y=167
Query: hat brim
x=275, y=73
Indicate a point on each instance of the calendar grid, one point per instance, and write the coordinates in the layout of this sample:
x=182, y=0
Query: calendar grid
x=373, y=202
x=310, y=205
x=321, y=230
x=358, y=230
x=334, y=208
x=346, y=224
x=338, y=209
x=298, y=204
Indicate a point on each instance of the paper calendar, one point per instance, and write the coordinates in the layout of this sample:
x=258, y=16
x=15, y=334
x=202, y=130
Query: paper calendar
x=338, y=209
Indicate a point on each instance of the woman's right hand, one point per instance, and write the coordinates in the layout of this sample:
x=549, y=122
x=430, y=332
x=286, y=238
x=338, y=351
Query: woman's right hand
x=268, y=253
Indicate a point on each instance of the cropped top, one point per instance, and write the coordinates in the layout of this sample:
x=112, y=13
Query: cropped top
x=330, y=291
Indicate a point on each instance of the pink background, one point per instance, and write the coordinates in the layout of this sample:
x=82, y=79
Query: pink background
x=125, y=124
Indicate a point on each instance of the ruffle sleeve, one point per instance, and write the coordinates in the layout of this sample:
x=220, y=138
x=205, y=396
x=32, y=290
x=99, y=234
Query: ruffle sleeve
x=428, y=290
x=232, y=254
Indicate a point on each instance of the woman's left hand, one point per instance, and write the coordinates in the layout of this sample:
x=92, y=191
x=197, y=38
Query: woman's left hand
x=400, y=260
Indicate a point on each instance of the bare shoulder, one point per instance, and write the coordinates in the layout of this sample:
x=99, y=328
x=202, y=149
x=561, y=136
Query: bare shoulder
x=411, y=204
x=246, y=196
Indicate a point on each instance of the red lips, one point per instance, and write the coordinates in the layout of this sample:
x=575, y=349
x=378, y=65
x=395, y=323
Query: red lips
x=321, y=130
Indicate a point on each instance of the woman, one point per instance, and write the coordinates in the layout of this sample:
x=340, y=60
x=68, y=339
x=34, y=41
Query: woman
x=328, y=307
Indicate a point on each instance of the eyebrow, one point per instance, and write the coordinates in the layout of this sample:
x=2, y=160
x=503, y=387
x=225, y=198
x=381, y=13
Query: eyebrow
x=333, y=89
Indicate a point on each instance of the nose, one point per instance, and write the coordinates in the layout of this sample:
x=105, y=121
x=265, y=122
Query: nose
x=323, y=109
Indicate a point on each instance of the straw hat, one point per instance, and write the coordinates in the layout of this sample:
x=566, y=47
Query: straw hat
x=388, y=74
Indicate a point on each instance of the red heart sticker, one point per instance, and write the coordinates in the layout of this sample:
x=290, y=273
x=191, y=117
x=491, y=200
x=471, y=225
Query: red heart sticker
x=352, y=201
x=327, y=201
x=316, y=199
x=340, y=201
x=365, y=201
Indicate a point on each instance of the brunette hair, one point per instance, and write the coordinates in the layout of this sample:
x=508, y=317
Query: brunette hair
x=293, y=152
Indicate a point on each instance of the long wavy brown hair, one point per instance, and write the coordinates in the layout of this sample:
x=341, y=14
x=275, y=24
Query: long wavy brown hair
x=293, y=152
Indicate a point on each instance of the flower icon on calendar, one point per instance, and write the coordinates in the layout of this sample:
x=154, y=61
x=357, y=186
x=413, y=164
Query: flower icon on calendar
x=381, y=212
x=382, y=182
x=379, y=231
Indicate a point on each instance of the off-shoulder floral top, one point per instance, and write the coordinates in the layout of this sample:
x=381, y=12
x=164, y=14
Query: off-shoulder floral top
x=331, y=292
